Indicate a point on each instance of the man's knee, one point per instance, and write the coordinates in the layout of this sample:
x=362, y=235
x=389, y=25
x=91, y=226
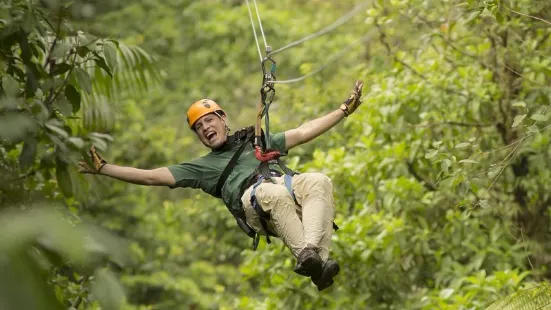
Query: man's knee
x=316, y=179
x=272, y=194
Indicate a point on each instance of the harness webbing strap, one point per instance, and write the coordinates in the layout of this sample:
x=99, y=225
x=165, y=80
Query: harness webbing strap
x=231, y=164
x=263, y=216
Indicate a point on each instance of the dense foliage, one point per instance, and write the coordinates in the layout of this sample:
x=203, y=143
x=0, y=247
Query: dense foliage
x=441, y=176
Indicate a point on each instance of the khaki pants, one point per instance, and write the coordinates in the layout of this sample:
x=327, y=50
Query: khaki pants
x=297, y=227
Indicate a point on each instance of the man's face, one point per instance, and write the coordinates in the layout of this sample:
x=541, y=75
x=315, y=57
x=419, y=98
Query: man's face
x=211, y=130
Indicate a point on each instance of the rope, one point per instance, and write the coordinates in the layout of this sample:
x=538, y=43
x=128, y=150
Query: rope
x=254, y=30
x=328, y=62
x=260, y=25
x=327, y=29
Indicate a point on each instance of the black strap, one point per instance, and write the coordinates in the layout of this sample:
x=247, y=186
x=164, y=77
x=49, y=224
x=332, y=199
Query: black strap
x=231, y=164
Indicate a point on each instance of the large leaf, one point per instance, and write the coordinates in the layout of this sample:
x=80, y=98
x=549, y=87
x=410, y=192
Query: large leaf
x=31, y=238
x=83, y=79
x=536, y=298
x=28, y=154
x=73, y=96
x=108, y=290
x=64, y=179
x=135, y=74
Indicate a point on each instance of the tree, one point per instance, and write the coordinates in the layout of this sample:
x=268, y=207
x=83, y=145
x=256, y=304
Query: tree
x=55, y=83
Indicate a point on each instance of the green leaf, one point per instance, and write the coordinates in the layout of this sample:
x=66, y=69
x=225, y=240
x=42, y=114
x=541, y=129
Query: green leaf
x=60, y=50
x=63, y=178
x=431, y=153
x=518, y=120
x=107, y=290
x=31, y=85
x=26, y=53
x=10, y=86
x=445, y=165
x=83, y=78
x=446, y=293
x=73, y=96
x=76, y=141
x=539, y=117
x=472, y=16
x=499, y=17
x=82, y=51
x=100, y=62
x=484, y=204
x=462, y=145
x=61, y=68
x=467, y=161
x=533, y=129
x=60, y=131
x=110, y=52
x=15, y=126
x=519, y=104
x=28, y=154
x=63, y=106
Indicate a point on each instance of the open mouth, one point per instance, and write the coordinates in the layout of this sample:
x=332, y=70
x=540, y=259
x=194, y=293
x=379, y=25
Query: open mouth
x=211, y=136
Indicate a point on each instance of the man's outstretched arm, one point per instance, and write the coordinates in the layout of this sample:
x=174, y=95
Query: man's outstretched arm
x=318, y=126
x=159, y=176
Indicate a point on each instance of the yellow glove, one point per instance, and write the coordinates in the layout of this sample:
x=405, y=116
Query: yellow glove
x=97, y=162
x=353, y=102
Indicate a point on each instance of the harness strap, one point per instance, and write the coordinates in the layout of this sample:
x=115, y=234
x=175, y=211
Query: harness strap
x=246, y=133
x=285, y=169
x=263, y=216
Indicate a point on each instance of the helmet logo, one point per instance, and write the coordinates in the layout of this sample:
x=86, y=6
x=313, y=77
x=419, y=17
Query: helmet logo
x=206, y=104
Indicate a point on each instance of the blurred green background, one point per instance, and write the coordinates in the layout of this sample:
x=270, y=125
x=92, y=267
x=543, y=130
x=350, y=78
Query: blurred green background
x=441, y=177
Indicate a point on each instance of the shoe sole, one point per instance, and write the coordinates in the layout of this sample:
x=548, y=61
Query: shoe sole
x=310, y=266
x=326, y=279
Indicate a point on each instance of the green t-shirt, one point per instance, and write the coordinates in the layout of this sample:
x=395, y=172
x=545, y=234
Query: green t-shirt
x=203, y=173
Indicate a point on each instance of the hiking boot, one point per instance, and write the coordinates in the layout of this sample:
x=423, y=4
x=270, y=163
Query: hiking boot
x=309, y=263
x=325, y=279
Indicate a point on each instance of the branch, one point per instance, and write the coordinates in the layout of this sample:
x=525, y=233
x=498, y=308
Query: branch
x=527, y=15
x=415, y=72
x=76, y=303
x=540, y=42
x=428, y=185
x=23, y=176
x=53, y=96
x=49, y=60
x=428, y=23
x=452, y=123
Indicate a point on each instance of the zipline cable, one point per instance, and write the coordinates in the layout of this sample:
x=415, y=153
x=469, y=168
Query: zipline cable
x=331, y=59
x=254, y=30
x=327, y=29
x=260, y=24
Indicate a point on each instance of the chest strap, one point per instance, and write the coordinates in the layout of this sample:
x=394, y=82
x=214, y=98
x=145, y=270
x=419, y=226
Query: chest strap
x=245, y=135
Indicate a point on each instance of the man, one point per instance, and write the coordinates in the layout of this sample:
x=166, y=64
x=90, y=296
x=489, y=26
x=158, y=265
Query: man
x=301, y=217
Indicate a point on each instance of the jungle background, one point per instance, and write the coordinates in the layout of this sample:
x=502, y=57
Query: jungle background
x=441, y=177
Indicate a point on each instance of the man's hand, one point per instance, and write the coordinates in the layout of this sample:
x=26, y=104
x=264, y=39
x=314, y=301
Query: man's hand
x=97, y=162
x=353, y=102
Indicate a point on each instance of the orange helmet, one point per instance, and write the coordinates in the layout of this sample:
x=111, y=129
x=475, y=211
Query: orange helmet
x=201, y=108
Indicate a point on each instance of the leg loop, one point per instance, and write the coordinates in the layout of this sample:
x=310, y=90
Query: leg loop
x=263, y=216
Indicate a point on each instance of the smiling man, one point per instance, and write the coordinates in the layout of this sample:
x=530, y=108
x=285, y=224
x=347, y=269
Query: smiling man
x=300, y=213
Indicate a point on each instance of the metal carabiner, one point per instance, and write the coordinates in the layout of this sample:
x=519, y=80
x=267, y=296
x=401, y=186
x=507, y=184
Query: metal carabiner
x=268, y=76
x=267, y=93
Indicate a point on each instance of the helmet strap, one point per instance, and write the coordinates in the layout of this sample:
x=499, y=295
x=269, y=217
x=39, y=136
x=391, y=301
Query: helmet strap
x=228, y=129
